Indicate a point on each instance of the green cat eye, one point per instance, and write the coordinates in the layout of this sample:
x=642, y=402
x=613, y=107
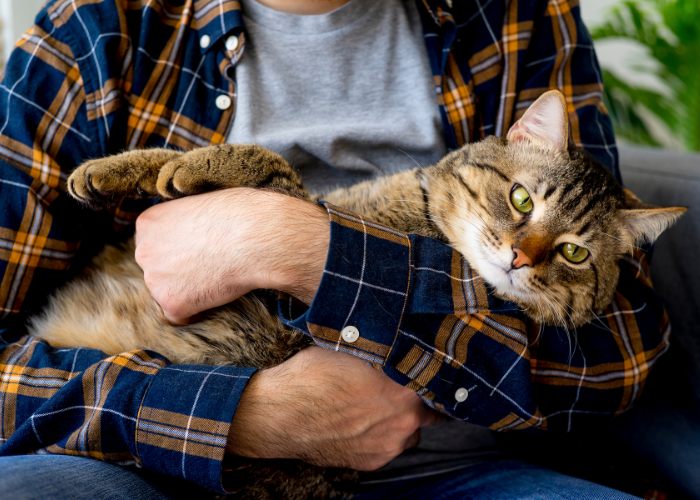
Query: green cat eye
x=521, y=200
x=574, y=253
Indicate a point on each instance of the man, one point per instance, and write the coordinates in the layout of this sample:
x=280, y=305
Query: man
x=346, y=90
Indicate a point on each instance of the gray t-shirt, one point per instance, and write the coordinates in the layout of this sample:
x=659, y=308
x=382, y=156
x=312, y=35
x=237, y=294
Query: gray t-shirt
x=343, y=96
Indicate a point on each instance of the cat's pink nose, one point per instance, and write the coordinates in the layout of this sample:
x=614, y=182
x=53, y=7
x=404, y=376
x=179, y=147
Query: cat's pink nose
x=520, y=259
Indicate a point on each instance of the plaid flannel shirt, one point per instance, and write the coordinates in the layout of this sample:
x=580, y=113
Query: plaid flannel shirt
x=93, y=77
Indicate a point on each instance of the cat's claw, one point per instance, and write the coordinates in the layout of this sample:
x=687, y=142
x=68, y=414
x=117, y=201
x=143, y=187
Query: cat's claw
x=81, y=186
x=107, y=181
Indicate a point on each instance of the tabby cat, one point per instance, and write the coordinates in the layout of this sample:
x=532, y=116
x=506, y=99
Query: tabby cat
x=541, y=223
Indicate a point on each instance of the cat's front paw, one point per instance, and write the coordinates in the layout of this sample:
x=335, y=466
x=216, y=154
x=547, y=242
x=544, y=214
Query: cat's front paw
x=106, y=181
x=93, y=183
x=227, y=166
x=197, y=171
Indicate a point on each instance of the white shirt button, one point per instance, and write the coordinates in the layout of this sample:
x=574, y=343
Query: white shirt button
x=461, y=394
x=350, y=334
x=223, y=102
x=204, y=41
x=232, y=43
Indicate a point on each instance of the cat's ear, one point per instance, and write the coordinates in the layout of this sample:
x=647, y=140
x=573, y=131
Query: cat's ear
x=545, y=123
x=644, y=225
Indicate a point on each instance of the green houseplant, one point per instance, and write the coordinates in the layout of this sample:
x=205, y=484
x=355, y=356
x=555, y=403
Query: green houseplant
x=669, y=30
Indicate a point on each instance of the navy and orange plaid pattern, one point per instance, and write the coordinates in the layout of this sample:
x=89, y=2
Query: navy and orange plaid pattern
x=95, y=77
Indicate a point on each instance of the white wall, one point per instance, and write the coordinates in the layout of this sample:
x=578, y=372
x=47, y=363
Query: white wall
x=17, y=16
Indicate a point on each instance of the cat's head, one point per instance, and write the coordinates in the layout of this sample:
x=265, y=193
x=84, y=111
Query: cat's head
x=544, y=224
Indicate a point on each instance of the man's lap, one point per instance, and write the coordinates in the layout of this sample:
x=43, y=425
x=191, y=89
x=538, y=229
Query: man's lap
x=58, y=476
x=499, y=479
x=27, y=477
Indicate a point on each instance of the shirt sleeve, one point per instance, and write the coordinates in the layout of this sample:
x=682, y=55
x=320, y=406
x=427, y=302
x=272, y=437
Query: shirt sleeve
x=131, y=408
x=414, y=306
x=134, y=407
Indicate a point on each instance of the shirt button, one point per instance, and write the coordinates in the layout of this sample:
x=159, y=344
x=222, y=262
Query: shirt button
x=232, y=43
x=461, y=394
x=204, y=41
x=223, y=102
x=350, y=334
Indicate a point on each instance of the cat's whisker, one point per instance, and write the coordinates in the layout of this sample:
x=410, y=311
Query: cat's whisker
x=563, y=317
x=540, y=321
x=475, y=226
x=563, y=306
x=598, y=323
x=415, y=162
x=624, y=243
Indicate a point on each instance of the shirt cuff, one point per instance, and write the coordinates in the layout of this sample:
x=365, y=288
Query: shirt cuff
x=184, y=420
x=363, y=292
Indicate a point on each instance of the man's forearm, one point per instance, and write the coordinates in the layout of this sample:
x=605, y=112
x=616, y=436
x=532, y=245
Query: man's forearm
x=204, y=251
x=319, y=406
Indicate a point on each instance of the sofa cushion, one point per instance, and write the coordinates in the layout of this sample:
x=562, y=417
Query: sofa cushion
x=669, y=178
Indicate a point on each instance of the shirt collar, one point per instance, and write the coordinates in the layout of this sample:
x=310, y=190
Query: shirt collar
x=439, y=10
x=217, y=19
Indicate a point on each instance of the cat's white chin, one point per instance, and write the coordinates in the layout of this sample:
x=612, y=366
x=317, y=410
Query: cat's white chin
x=494, y=266
x=505, y=281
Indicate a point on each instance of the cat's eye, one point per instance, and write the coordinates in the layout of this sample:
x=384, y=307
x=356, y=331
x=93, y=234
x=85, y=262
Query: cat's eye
x=574, y=253
x=521, y=200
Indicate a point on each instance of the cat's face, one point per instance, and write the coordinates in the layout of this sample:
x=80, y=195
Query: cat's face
x=545, y=228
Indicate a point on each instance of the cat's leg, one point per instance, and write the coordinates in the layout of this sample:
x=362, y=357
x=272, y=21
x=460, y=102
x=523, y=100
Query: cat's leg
x=172, y=174
x=133, y=174
x=227, y=166
x=399, y=200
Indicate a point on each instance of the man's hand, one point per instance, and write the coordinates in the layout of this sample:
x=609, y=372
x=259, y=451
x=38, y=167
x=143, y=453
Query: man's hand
x=329, y=409
x=204, y=251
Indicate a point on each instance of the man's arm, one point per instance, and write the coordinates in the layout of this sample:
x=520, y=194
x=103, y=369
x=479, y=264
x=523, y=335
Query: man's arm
x=328, y=409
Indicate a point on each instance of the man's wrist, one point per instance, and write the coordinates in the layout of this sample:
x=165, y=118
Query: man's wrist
x=241, y=436
x=305, y=250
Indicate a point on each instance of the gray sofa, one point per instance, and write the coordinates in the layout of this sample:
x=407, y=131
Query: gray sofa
x=664, y=430
x=666, y=178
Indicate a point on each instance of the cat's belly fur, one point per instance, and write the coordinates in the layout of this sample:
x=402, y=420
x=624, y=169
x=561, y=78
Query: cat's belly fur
x=109, y=308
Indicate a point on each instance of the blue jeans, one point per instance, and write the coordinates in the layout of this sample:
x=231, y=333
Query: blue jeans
x=58, y=476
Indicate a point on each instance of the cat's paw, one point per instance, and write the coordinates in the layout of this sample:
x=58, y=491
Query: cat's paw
x=227, y=166
x=197, y=171
x=95, y=183
x=106, y=181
